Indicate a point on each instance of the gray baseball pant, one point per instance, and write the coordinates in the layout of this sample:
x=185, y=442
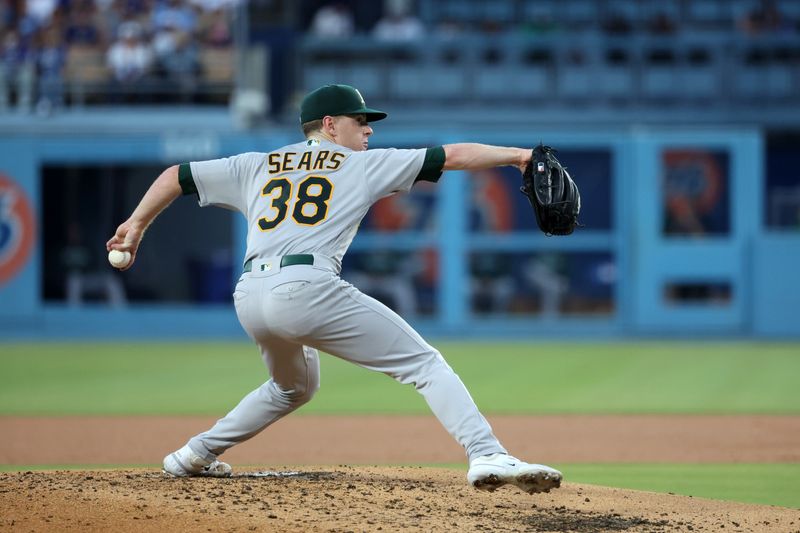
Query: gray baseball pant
x=292, y=312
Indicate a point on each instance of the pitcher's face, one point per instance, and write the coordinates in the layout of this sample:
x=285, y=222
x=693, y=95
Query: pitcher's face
x=352, y=131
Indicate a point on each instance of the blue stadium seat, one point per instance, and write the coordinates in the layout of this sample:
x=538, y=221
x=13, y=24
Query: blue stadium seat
x=320, y=74
x=365, y=76
x=531, y=82
x=709, y=64
x=660, y=82
x=458, y=10
x=408, y=81
x=576, y=82
x=532, y=11
x=763, y=71
x=446, y=82
x=580, y=12
x=699, y=82
x=779, y=79
x=708, y=13
x=627, y=8
x=615, y=82
x=493, y=81
x=428, y=82
x=671, y=8
x=497, y=11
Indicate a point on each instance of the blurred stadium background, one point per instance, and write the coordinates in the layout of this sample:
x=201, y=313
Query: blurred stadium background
x=679, y=119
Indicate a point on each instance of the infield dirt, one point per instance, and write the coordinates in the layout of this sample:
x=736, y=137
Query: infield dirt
x=353, y=499
x=368, y=498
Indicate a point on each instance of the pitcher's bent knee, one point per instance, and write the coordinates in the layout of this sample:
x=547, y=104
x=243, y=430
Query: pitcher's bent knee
x=300, y=395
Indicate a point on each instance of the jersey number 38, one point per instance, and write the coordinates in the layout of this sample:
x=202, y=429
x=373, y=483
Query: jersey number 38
x=310, y=207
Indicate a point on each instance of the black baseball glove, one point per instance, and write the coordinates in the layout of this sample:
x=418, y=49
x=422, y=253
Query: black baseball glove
x=553, y=195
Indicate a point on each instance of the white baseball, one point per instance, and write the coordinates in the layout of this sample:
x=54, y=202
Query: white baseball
x=119, y=259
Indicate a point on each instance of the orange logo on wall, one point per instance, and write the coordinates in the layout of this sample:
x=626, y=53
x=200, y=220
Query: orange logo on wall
x=17, y=228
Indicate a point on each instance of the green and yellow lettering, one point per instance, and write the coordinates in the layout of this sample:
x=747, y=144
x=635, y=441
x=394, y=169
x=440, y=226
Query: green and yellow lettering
x=287, y=162
x=274, y=163
x=322, y=156
x=305, y=161
x=336, y=160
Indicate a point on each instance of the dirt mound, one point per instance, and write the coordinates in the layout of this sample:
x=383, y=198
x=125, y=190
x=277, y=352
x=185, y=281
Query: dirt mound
x=352, y=499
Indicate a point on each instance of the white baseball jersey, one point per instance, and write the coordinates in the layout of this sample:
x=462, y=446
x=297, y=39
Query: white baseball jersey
x=311, y=184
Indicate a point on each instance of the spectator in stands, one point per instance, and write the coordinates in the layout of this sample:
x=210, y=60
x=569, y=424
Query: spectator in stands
x=82, y=27
x=661, y=24
x=35, y=36
x=130, y=58
x=449, y=28
x=117, y=12
x=51, y=57
x=333, y=21
x=398, y=23
x=165, y=40
x=9, y=13
x=764, y=18
x=492, y=27
x=180, y=64
x=543, y=24
x=617, y=24
x=174, y=13
x=208, y=6
x=41, y=11
x=214, y=28
x=27, y=25
x=16, y=71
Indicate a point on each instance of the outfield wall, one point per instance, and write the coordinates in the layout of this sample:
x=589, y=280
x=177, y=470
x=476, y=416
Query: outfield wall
x=675, y=241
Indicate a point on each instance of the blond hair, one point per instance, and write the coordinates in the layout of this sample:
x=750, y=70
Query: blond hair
x=312, y=126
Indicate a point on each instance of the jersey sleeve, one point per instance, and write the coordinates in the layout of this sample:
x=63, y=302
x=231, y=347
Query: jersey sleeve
x=393, y=170
x=220, y=182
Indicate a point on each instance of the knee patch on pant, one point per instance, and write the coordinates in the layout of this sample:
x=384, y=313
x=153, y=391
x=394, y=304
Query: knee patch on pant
x=297, y=396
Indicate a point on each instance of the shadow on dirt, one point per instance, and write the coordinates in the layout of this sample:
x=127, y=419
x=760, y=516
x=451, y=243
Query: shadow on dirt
x=573, y=520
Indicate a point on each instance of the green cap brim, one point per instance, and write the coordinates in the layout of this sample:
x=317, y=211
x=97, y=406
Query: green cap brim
x=373, y=115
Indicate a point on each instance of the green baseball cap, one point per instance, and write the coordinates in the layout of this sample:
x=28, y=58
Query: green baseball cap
x=336, y=100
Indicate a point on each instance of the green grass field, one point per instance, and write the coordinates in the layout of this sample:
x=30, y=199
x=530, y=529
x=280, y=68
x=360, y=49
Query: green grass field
x=148, y=378
x=771, y=484
x=534, y=378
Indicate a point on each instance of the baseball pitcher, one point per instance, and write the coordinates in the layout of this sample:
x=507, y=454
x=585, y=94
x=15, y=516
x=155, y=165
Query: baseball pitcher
x=303, y=205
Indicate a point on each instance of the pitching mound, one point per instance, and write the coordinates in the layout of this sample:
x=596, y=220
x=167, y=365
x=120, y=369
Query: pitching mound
x=352, y=499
